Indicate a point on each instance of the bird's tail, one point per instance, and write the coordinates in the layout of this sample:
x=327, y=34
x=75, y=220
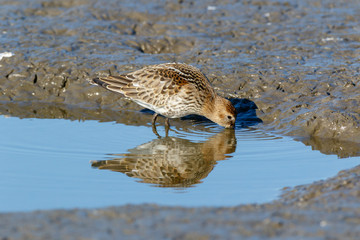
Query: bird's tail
x=114, y=83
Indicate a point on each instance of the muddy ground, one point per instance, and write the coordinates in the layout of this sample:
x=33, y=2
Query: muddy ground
x=297, y=61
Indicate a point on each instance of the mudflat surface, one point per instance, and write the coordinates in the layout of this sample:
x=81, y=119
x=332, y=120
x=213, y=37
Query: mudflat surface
x=297, y=61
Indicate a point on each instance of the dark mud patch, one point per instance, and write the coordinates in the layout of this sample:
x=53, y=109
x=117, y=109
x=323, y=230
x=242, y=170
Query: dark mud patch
x=163, y=45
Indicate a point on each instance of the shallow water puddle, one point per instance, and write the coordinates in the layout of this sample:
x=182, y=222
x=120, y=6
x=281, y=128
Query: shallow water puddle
x=47, y=164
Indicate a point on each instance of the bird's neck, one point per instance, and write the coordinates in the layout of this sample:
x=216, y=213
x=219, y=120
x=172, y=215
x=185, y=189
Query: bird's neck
x=209, y=108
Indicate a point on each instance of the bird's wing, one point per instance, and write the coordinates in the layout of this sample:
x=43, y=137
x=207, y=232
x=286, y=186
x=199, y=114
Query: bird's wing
x=155, y=85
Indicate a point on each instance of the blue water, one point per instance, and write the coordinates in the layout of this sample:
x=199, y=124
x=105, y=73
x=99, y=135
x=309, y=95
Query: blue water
x=46, y=164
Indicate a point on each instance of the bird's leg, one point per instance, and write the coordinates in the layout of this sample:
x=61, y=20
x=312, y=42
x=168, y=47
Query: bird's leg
x=154, y=126
x=154, y=118
x=167, y=127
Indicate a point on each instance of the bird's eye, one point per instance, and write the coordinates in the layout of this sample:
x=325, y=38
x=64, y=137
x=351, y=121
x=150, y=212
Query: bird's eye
x=229, y=117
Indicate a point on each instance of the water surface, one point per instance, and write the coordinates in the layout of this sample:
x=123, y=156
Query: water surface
x=50, y=163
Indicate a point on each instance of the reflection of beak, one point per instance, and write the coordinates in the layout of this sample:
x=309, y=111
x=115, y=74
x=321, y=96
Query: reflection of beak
x=232, y=125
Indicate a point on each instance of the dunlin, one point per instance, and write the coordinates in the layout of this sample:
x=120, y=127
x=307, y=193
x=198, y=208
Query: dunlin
x=173, y=90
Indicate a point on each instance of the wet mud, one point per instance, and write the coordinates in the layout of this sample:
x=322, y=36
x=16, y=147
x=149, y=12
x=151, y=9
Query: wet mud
x=296, y=61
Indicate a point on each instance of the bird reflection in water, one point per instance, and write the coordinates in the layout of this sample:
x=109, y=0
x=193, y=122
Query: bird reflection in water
x=172, y=161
